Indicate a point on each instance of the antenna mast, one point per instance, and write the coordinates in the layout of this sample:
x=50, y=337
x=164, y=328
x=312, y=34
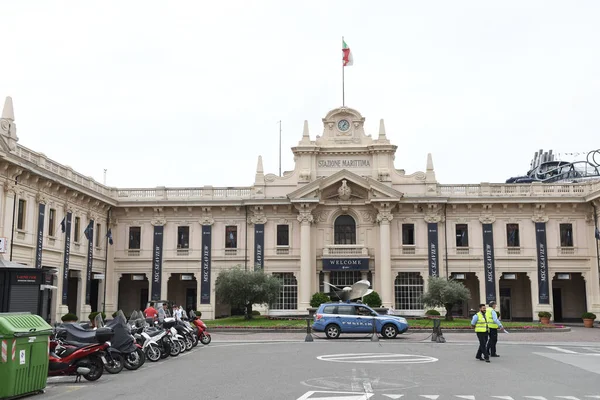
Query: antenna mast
x=279, y=147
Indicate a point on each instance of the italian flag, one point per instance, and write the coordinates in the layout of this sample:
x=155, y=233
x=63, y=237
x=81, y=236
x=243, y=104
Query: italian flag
x=348, y=60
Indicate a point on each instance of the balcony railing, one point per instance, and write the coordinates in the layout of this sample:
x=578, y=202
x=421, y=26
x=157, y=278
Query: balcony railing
x=345, y=250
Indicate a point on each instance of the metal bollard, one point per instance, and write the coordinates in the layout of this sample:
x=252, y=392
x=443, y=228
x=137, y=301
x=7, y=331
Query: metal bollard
x=436, y=326
x=374, y=337
x=308, y=337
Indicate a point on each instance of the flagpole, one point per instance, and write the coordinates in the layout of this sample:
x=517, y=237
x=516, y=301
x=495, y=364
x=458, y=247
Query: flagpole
x=343, y=83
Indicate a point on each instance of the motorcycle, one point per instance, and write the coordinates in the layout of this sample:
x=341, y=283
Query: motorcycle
x=79, y=359
x=202, y=333
x=148, y=338
x=124, y=342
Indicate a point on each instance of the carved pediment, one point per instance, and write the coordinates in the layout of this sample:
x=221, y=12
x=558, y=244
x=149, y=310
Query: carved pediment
x=345, y=186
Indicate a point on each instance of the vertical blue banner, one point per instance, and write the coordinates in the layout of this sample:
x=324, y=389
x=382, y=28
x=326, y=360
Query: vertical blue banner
x=259, y=246
x=432, y=236
x=40, y=236
x=205, y=281
x=542, y=256
x=157, y=255
x=488, y=263
x=67, y=253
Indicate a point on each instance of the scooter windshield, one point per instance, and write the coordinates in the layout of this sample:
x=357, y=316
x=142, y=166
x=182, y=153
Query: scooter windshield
x=98, y=321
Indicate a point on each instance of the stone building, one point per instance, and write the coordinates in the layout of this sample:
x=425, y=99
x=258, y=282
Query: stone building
x=343, y=214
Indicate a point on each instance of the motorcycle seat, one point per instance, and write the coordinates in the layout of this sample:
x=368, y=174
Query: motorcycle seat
x=77, y=345
x=154, y=333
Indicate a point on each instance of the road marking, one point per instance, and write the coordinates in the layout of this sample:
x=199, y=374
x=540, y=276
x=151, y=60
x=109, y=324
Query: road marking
x=536, y=397
x=568, y=397
x=393, y=396
x=504, y=397
x=465, y=397
x=430, y=396
x=378, y=358
x=341, y=395
x=559, y=349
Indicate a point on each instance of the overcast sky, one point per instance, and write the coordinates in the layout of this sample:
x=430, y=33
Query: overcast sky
x=189, y=93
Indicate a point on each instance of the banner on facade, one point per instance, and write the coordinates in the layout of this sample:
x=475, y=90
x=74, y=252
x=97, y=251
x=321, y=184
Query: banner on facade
x=157, y=255
x=65, y=287
x=89, y=233
x=40, y=236
x=542, y=256
x=488, y=263
x=432, y=236
x=205, y=282
x=345, y=264
x=259, y=245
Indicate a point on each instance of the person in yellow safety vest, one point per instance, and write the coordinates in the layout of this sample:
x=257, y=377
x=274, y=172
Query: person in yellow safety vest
x=493, y=324
x=480, y=323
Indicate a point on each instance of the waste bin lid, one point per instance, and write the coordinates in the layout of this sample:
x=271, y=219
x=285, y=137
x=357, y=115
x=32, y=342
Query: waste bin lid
x=23, y=324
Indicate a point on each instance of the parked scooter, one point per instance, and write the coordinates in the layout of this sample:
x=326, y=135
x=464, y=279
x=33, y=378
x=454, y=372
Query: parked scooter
x=202, y=333
x=124, y=342
x=79, y=359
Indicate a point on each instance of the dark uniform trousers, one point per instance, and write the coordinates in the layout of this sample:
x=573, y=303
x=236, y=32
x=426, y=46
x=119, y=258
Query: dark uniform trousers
x=491, y=345
x=483, y=340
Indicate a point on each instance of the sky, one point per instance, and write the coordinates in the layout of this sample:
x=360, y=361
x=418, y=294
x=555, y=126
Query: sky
x=189, y=93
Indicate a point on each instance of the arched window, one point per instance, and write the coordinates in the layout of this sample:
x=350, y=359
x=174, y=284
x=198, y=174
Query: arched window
x=344, y=230
x=408, y=290
x=288, y=297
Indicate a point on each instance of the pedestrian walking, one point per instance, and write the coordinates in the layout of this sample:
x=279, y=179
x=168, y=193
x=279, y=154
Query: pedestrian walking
x=479, y=322
x=493, y=324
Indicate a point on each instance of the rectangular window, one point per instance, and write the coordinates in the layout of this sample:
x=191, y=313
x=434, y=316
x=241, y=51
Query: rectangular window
x=21, y=214
x=288, y=296
x=512, y=235
x=408, y=234
x=408, y=290
x=97, y=233
x=566, y=235
x=231, y=237
x=283, y=235
x=183, y=237
x=462, y=235
x=135, y=237
x=76, y=233
x=52, y=222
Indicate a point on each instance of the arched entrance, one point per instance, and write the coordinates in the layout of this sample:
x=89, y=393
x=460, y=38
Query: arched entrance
x=515, y=297
x=182, y=289
x=568, y=297
x=133, y=292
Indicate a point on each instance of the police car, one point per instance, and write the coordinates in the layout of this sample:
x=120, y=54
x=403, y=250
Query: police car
x=337, y=318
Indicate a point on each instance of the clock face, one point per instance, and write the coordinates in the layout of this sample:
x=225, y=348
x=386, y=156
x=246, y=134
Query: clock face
x=343, y=125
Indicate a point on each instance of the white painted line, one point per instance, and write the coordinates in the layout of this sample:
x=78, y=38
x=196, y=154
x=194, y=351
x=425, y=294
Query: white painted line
x=595, y=397
x=344, y=396
x=378, y=358
x=469, y=397
x=430, y=396
x=559, y=349
x=568, y=397
x=393, y=396
x=504, y=397
x=536, y=397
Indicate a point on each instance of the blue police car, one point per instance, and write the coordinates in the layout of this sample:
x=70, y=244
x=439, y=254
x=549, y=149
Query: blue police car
x=337, y=318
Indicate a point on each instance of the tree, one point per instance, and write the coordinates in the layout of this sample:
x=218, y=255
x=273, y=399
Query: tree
x=240, y=288
x=372, y=300
x=442, y=292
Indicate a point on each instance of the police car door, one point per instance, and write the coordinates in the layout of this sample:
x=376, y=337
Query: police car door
x=347, y=318
x=364, y=319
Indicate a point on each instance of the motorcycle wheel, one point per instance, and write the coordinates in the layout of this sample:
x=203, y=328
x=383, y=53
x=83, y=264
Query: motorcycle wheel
x=153, y=352
x=142, y=356
x=205, y=339
x=194, y=340
x=188, y=343
x=116, y=365
x=175, y=349
x=133, y=360
x=96, y=369
x=166, y=349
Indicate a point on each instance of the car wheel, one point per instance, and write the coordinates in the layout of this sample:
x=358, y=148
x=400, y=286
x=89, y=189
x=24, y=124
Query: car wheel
x=389, y=331
x=332, y=331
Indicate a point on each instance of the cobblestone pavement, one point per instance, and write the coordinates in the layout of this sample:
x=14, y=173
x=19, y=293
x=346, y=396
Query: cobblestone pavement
x=576, y=335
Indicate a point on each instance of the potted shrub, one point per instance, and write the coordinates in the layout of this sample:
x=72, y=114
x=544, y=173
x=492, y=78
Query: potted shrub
x=588, y=319
x=434, y=314
x=316, y=300
x=69, y=318
x=373, y=300
x=544, y=317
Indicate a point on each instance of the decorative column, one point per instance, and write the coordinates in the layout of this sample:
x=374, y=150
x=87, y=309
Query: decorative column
x=205, y=301
x=592, y=278
x=385, y=263
x=306, y=269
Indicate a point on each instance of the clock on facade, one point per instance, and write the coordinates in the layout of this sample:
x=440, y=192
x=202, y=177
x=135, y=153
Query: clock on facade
x=343, y=125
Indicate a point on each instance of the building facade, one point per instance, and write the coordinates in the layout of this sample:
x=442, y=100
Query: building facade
x=343, y=214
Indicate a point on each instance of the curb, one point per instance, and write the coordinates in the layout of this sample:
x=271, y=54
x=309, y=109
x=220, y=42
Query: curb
x=416, y=330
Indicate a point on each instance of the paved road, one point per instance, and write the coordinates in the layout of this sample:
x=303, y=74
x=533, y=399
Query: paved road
x=353, y=369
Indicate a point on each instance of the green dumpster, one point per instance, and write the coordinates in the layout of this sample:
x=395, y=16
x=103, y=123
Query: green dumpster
x=24, y=338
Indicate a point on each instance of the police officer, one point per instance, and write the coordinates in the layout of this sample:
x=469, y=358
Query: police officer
x=493, y=325
x=480, y=323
